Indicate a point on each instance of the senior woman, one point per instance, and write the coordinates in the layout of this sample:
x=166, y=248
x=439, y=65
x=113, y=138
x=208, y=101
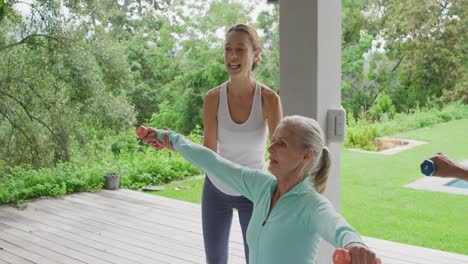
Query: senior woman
x=290, y=216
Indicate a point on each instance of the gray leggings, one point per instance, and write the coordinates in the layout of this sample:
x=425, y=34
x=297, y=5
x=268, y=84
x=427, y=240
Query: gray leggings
x=217, y=218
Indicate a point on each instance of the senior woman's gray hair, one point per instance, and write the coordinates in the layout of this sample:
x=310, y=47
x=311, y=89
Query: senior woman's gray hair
x=308, y=133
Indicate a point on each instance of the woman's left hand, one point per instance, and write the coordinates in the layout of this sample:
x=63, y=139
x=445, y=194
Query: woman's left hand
x=360, y=254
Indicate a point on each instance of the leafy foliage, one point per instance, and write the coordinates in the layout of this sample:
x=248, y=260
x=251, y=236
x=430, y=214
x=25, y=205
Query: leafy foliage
x=361, y=132
x=76, y=75
x=54, y=83
x=427, y=36
x=412, y=52
x=85, y=172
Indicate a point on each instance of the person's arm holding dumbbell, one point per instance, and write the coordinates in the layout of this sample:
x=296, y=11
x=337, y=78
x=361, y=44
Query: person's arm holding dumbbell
x=444, y=166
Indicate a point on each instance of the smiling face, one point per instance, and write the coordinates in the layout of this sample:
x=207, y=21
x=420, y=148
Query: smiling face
x=239, y=54
x=287, y=156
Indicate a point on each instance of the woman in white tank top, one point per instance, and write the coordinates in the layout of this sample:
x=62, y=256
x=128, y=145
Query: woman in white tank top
x=236, y=118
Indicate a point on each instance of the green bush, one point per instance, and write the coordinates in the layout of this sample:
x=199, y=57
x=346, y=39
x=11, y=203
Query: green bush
x=137, y=165
x=382, y=107
x=422, y=117
x=360, y=133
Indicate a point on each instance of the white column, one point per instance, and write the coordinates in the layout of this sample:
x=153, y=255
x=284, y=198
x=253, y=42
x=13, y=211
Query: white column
x=310, y=73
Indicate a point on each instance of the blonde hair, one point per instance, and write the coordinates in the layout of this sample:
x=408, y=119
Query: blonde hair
x=308, y=133
x=253, y=37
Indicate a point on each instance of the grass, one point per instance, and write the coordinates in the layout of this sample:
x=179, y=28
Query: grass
x=373, y=198
x=375, y=202
x=187, y=190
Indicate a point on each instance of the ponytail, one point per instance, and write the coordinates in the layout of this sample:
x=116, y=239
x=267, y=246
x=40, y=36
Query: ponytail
x=319, y=180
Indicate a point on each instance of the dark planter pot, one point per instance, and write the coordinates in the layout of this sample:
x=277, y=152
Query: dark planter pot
x=112, y=181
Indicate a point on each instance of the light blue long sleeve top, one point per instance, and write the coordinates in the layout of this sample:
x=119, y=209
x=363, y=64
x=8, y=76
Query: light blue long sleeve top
x=300, y=219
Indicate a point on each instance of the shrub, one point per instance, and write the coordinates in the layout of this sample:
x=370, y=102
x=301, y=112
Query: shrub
x=382, y=107
x=361, y=132
x=138, y=166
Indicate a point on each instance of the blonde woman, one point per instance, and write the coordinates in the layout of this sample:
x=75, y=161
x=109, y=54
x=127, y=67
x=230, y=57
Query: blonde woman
x=290, y=215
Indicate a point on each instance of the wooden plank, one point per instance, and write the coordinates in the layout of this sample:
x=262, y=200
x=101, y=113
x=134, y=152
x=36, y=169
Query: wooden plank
x=153, y=212
x=174, y=219
x=116, y=221
x=11, y=246
x=42, y=250
x=180, y=217
x=56, y=247
x=126, y=244
x=11, y=258
x=190, y=209
x=415, y=249
x=179, y=233
x=73, y=213
x=414, y=254
x=125, y=250
x=142, y=239
x=107, y=252
x=143, y=214
x=140, y=196
x=148, y=201
x=159, y=221
x=132, y=227
x=104, y=225
x=236, y=251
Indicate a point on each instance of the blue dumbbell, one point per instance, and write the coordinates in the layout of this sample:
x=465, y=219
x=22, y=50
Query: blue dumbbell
x=428, y=167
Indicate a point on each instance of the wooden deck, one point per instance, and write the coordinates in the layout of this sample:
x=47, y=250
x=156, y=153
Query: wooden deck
x=132, y=227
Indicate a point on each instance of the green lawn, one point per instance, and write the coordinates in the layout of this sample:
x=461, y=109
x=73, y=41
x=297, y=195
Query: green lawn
x=375, y=202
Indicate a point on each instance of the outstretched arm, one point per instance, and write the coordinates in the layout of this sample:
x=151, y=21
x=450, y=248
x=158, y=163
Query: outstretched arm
x=239, y=178
x=334, y=229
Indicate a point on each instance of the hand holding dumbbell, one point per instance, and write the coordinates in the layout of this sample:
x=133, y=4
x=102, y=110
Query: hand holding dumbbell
x=142, y=132
x=150, y=136
x=342, y=256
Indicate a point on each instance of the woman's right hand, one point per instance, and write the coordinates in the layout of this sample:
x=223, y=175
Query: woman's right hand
x=150, y=136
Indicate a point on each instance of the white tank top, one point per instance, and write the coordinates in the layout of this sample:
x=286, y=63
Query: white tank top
x=241, y=143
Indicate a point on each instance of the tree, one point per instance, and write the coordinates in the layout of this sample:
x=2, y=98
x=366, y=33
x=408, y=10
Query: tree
x=429, y=39
x=56, y=82
x=411, y=53
x=200, y=36
x=268, y=71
